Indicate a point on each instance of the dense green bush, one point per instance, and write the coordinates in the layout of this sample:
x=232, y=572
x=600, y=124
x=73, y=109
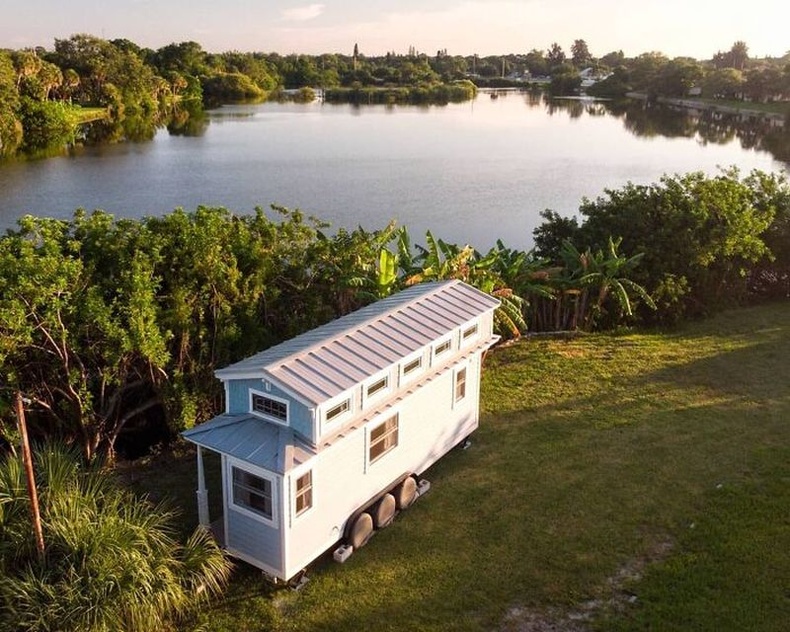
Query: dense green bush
x=45, y=124
x=703, y=238
x=111, y=560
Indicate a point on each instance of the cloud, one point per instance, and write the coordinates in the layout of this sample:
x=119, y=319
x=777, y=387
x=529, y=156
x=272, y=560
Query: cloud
x=302, y=14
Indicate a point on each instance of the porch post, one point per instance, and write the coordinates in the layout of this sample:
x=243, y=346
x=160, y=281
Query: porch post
x=202, y=492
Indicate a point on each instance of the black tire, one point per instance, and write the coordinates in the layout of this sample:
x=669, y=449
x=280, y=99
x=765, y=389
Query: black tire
x=405, y=493
x=361, y=530
x=384, y=511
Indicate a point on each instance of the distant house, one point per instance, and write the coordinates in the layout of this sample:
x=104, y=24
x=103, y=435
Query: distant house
x=324, y=436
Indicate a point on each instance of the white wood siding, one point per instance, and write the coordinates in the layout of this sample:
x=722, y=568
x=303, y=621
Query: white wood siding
x=430, y=424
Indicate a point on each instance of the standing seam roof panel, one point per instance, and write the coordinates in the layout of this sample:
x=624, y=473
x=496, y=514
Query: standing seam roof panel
x=366, y=341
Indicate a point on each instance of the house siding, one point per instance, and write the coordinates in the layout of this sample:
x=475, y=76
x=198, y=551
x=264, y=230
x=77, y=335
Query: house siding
x=430, y=424
x=253, y=538
x=300, y=418
x=315, y=373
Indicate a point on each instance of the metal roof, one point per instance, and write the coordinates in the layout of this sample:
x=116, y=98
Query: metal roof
x=324, y=362
x=269, y=446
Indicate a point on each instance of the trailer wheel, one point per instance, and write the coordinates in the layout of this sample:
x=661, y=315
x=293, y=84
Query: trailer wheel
x=384, y=511
x=405, y=493
x=361, y=530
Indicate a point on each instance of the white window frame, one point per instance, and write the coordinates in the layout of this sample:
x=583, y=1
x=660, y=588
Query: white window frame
x=457, y=401
x=467, y=339
x=405, y=377
x=375, y=425
x=384, y=375
x=232, y=463
x=274, y=398
x=296, y=477
x=330, y=416
x=332, y=403
x=435, y=353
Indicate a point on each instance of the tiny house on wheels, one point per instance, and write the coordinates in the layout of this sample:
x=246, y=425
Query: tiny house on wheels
x=324, y=436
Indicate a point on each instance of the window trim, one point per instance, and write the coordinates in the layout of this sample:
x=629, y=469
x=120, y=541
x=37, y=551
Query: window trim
x=310, y=492
x=273, y=398
x=330, y=425
x=233, y=463
x=445, y=343
x=469, y=332
x=331, y=415
x=382, y=421
x=407, y=376
x=458, y=372
x=381, y=392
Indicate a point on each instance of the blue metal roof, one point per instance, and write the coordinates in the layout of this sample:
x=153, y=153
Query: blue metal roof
x=325, y=362
x=270, y=446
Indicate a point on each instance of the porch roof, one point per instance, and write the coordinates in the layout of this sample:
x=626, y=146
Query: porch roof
x=245, y=437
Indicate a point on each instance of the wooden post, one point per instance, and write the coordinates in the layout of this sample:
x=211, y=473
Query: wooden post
x=202, y=492
x=27, y=460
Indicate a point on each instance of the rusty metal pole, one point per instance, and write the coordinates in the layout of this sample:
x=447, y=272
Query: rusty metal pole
x=27, y=460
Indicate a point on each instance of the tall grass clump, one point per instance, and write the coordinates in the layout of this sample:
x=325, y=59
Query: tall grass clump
x=111, y=559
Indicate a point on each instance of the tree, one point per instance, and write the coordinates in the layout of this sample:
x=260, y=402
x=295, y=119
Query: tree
x=10, y=125
x=604, y=274
x=580, y=54
x=441, y=260
x=78, y=323
x=724, y=83
x=700, y=235
x=537, y=63
x=739, y=55
x=645, y=69
x=555, y=55
x=188, y=58
x=565, y=79
x=613, y=60
x=677, y=77
x=111, y=562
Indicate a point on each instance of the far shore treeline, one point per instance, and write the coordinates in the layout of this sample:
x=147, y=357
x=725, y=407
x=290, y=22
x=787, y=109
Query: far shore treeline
x=112, y=328
x=127, y=92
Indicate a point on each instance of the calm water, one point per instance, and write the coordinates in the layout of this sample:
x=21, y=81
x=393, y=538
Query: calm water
x=470, y=172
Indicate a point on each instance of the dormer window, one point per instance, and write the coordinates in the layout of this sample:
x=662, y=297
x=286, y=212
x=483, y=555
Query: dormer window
x=442, y=347
x=378, y=387
x=411, y=367
x=468, y=333
x=269, y=407
x=338, y=410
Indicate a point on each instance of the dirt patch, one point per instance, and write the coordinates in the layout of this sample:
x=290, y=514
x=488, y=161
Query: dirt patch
x=614, y=598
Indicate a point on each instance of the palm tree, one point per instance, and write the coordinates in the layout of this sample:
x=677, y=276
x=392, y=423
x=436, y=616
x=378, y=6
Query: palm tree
x=111, y=562
x=441, y=260
x=604, y=274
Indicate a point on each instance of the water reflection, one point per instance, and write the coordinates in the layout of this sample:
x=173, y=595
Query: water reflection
x=650, y=120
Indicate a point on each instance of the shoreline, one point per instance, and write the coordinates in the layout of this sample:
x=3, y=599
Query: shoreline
x=776, y=118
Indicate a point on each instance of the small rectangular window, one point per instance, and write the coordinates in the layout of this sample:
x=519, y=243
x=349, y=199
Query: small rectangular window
x=378, y=386
x=336, y=411
x=412, y=366
x=460, y=384
x=442, y=347
x=270, y=407
x=383, y=438
x=469, y=332
x=252, y=492
x=304, y=492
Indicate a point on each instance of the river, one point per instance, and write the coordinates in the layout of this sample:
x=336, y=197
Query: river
x=471, y=172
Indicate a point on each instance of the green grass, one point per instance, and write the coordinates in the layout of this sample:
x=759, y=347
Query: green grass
x=87, y=115
x=617, y=482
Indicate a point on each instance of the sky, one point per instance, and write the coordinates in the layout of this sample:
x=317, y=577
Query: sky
x=693, y=28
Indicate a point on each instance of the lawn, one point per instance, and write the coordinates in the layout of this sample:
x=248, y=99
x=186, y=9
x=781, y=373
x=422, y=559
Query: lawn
x=617, y=482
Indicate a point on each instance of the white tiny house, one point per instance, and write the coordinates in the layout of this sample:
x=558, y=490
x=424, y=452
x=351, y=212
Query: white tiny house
x=324, y=435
